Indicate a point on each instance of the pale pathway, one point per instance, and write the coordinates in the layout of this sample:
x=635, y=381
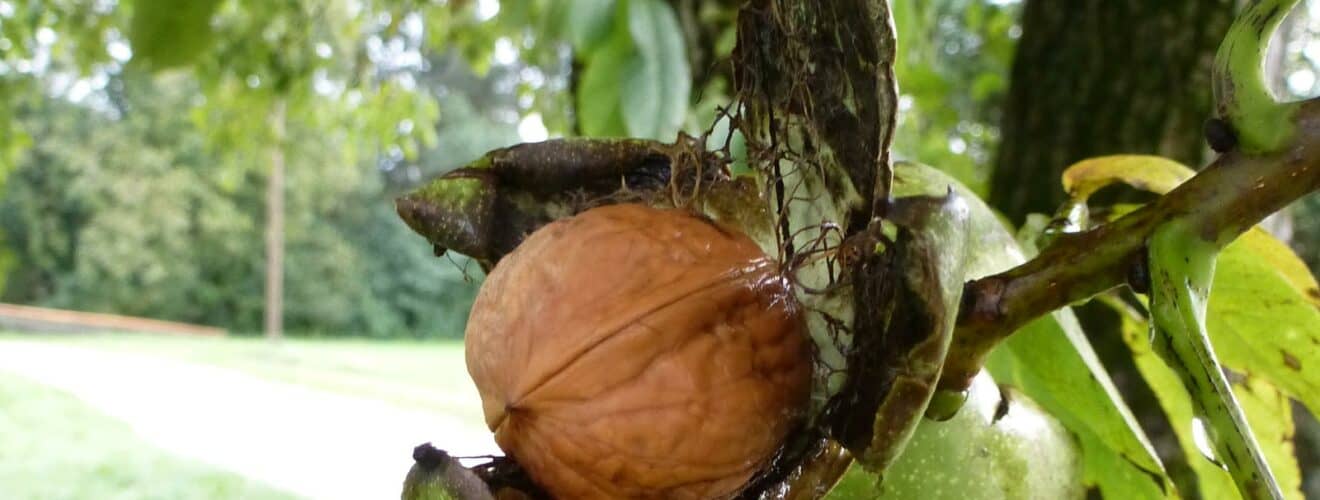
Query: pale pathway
x=309, y=442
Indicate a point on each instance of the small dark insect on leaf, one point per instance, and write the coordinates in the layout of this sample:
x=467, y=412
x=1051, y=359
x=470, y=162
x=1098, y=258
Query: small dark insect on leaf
x=1220, y=135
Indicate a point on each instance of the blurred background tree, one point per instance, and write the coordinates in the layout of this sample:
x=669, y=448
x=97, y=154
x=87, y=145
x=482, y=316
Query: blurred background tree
x=142, y=194
x=1094, y=79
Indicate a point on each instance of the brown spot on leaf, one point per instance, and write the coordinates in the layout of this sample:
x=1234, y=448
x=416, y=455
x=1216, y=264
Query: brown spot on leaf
x=1291, y=361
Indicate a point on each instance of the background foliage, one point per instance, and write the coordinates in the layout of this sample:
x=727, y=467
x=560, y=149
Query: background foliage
x=365, y=81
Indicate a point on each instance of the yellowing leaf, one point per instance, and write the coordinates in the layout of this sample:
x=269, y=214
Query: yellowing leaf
x=1264, y=316
x=1264, y=323
x=1270, y=414
x=1266, y=408
x=1148, y=173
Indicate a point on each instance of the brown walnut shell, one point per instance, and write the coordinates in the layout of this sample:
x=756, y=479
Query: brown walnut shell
x=630, y=352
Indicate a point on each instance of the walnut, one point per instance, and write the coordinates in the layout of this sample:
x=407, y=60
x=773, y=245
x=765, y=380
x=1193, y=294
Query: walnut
x=631, y=352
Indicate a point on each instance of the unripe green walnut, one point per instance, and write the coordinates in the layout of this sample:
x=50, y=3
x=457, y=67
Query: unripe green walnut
x=630, y=352
x=1000, y=446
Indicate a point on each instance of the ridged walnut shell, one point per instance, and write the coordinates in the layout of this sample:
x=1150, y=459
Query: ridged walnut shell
x=630, y=352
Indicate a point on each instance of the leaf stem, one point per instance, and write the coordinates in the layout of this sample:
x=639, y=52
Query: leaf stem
x=1244, y=100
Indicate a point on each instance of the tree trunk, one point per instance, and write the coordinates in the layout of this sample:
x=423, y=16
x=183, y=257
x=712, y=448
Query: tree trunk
x=275, y=227
x=1094, y=77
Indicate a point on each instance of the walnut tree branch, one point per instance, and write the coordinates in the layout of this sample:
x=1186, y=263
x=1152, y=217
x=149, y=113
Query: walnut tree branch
x=1227, y=198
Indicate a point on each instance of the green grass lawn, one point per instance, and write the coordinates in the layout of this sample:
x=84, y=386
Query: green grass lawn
x=53, y=446
x=429, y=376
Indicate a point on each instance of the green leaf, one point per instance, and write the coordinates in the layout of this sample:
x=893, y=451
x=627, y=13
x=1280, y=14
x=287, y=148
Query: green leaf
x=656, y=85
x=588, y=23
x=1051, y=360
x=166, y=34
x=598, y=98
x=987, y=85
